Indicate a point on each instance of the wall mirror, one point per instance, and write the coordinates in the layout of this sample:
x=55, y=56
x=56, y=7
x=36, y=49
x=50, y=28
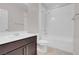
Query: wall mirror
x=3, y=20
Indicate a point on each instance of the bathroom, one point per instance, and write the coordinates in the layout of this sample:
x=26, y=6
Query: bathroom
x=52, y=28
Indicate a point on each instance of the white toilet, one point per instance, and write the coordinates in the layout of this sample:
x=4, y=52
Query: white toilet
x=42, y=46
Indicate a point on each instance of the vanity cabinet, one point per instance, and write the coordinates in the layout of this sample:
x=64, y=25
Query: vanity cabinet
x=26, y=46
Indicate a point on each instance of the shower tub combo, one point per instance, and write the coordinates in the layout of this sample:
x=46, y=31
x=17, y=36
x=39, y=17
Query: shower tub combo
x=57, y=26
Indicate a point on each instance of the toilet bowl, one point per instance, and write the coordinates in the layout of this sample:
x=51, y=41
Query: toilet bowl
x=42, y=46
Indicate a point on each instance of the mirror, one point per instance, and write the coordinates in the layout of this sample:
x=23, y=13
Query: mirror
x=3, y=20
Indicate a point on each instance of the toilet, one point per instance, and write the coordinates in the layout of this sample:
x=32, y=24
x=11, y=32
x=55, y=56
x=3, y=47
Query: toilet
x=42, y=46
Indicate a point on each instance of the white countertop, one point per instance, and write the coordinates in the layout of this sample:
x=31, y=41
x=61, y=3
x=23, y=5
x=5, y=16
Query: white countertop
x=6, y=37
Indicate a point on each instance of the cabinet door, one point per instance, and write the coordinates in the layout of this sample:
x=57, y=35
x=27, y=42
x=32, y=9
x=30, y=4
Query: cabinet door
x=19, y=51
x=30, y=49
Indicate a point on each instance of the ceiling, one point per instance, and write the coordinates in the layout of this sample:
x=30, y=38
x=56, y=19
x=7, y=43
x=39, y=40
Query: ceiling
x=54, y=5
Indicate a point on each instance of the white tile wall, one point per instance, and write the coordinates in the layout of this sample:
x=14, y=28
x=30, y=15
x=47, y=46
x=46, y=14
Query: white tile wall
x=59, y=27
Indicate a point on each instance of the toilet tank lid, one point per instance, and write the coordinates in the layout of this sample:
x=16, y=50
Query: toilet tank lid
x=42, y=41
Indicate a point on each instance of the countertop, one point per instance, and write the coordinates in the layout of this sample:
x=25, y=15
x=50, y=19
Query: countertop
x=6, y=37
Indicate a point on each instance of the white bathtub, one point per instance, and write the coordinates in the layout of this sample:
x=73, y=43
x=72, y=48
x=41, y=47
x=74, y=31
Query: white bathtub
x=63, y=43
x=6, y=37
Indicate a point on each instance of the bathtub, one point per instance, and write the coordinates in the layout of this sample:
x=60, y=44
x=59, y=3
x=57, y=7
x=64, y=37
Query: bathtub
x=62, y=43
x=6, y=37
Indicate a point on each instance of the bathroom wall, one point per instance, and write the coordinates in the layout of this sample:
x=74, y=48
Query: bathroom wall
x=76, y=30
x=22, y=16
x=31, y=24
x=58, y=27
x=61, y=21
x=3, y=20
x=15, y=15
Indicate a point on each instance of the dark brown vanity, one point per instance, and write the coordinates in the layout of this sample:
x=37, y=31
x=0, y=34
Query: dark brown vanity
x=25, y=46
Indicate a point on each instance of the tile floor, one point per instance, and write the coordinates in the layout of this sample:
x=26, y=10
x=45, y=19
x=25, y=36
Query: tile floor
x=54, y=51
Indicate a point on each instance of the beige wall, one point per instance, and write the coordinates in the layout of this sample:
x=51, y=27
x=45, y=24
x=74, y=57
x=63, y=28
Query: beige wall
x=15, y=16
x=32, y=18
x=18, y=21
